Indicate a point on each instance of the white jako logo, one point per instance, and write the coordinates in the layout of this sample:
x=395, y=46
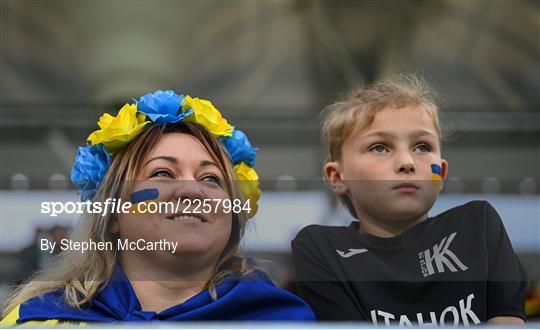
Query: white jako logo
x=351, y=252
x=442, y=256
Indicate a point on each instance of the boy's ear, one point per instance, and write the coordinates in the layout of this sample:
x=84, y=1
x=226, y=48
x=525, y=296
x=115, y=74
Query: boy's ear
x=334, y=177
x=444, y=172
x=444, y=168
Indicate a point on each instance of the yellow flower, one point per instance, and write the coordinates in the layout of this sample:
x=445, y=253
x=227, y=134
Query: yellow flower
x=205, y=114
x=249, y=184
x=116, y=132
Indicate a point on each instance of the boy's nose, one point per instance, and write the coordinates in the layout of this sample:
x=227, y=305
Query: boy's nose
x=407, y=168
x=404, y=162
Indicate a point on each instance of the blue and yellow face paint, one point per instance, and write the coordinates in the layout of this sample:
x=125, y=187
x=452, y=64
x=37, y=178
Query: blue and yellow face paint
x=143, y=196
x=436, y=175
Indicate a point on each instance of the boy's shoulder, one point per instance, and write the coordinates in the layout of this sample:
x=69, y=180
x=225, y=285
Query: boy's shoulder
x=476, y=217
x=315, y=232
x=469, y=219
x=473, y=213
x=477, y=211
x=476, y=205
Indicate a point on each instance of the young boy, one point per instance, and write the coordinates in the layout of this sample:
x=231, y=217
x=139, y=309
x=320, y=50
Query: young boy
x=397, y=265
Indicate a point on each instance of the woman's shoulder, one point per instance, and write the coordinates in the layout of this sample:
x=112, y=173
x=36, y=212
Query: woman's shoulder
x=41, y=310
x=13, y=318
x=257, y=291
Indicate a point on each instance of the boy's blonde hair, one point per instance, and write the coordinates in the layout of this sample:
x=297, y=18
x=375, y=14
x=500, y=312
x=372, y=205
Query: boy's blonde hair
x=358, y=108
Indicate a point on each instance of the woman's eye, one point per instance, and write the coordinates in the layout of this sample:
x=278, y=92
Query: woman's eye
x=423, y=148
x=213, y=179
x=379, y=148
x=161, y=174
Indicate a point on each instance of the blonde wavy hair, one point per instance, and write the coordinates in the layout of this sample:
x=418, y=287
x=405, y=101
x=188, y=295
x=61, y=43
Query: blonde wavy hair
x=81, y=275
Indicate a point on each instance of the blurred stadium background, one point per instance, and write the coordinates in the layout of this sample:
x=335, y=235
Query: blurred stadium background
x=270, y=67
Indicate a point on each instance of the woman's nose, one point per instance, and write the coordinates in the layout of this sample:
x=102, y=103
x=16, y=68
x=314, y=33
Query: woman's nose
x=188, y=189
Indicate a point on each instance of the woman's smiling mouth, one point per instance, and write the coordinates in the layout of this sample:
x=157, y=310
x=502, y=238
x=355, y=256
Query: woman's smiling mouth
x=188, y=217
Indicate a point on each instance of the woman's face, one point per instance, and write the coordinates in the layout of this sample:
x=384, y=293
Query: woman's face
x=185, y=175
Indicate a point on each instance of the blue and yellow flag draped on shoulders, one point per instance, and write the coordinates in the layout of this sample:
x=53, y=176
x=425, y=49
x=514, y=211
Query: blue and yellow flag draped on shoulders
x=256, y=298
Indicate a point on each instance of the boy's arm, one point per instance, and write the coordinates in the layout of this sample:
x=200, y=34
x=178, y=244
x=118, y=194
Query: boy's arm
x=318, y=284
x=507, y=280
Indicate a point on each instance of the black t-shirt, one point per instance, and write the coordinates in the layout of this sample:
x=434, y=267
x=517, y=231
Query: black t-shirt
x=455, y=268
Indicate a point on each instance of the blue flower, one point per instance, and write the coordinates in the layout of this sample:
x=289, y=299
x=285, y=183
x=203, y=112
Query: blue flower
x=163, y=107
x=239, y=148
x=91, y=164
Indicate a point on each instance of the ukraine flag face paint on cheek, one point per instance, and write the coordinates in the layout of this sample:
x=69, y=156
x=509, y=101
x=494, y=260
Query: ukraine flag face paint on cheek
x=436, y=175
x=143, y=196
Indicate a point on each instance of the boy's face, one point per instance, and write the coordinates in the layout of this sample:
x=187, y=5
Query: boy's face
x=385, y=168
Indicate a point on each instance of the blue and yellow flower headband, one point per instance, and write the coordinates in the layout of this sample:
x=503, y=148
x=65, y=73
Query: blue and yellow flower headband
x=162, y=107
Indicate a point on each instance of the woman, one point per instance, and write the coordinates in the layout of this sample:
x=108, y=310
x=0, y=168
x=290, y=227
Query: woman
x=164, y=148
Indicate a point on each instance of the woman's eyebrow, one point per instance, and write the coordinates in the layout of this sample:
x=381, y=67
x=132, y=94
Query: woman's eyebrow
x=167, y=158
x=205, y=163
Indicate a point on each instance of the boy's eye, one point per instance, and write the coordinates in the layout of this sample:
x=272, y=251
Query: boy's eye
x=161, y=174
x=423, y=148
x=378, y=148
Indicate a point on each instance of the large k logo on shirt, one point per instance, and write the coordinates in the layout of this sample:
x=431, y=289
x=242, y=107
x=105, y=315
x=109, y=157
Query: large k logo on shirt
x=442, y=257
